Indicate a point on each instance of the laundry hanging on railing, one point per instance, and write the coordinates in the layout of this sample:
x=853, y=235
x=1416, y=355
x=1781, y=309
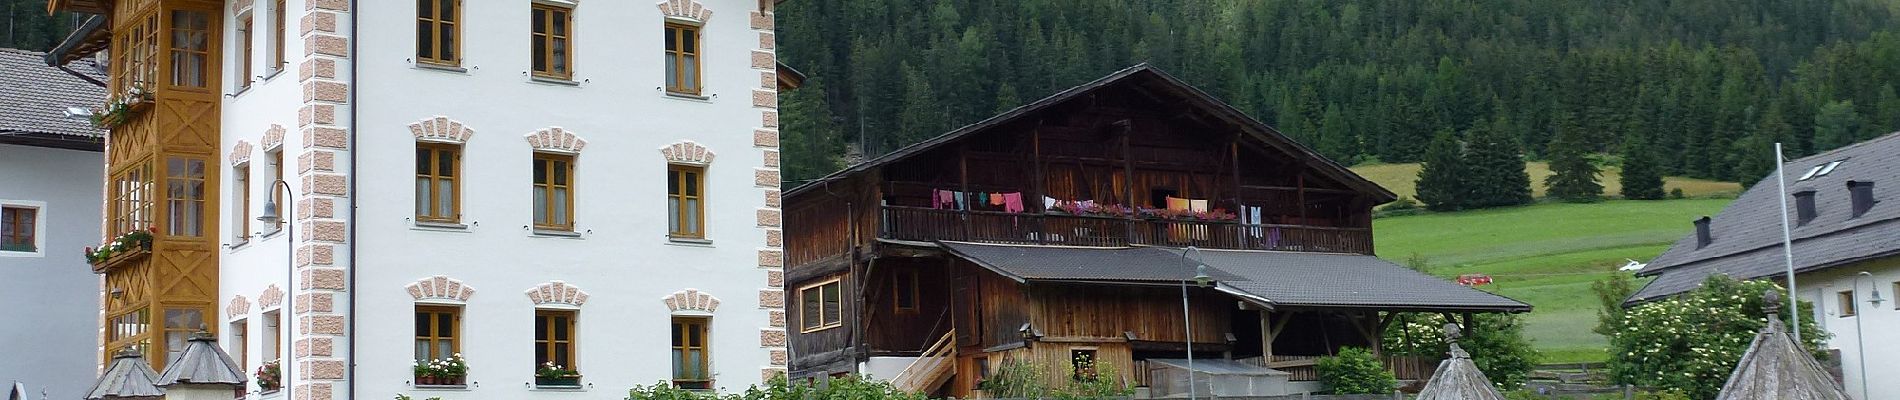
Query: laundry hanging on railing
x=955, y=200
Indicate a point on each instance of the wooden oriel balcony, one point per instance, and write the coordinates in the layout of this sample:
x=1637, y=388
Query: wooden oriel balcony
x=929, y=224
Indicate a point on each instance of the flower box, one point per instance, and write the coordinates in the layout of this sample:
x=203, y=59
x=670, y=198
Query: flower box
x=123, y=257
x=427, y=380
x=563, y=381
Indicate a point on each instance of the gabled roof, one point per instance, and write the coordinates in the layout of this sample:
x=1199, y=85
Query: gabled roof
x=1747, y=233
x=129, y=377
x=35, y=98
x=202, y=362
x=1152, y=78
x=1273, y=278
x=1457, y=378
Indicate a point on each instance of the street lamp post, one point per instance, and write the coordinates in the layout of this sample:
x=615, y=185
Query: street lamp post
x=271, y=217
x=1859, y=342
x=1187, y=320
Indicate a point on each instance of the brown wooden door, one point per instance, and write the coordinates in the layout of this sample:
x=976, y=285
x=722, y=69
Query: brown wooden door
x=966, y=305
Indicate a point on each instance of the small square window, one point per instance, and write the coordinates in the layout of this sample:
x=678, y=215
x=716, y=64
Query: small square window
x=19, y=229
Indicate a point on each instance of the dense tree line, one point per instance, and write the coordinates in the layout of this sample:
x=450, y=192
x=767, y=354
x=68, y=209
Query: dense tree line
x=1706, y=83
x=27, y=26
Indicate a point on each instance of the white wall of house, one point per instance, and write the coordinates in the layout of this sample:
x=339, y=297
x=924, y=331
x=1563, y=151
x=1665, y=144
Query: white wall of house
x=1870, y=325
x=256, y=122
x=621, y=256
x=42, y=345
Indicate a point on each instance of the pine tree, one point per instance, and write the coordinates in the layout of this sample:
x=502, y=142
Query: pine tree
x=1835, y=125
x=811, y=141
x=1574, y=177
x=1336, y=140
x=1007, y=99
x=922, y=117
x=1441, y=182
x=1642, y=170
x=1495, y=168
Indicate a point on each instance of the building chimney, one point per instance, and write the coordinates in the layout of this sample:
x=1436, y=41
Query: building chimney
x=1862, y=194
x=1804, y=207
x=1702, y=237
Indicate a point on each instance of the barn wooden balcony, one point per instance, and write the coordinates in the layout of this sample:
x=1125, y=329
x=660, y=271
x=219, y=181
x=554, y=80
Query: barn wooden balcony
x=928, y=224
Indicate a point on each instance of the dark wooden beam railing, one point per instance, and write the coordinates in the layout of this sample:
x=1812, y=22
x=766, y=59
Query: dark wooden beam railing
x=927, y=224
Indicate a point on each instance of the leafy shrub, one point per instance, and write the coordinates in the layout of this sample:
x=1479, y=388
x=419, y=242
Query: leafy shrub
x=1497, y=345
x=1691, y=343
x=1020, y=379
x=849, y=387
x=1355, y=371
x=1675, y=193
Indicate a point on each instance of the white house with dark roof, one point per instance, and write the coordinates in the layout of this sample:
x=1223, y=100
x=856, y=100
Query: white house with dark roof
x=338, y=195
x=1844, y=214
x=50, y=168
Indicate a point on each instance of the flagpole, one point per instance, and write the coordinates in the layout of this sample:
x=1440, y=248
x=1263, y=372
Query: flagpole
x=1787, y=246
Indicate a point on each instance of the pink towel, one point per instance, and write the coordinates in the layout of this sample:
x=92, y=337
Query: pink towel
x=1013, y=202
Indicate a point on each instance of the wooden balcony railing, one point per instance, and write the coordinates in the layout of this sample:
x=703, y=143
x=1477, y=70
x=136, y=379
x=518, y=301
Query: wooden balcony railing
x=926, y=224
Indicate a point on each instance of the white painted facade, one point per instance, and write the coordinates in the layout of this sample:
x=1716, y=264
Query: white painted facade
x=1870, y=325
x=619, y=255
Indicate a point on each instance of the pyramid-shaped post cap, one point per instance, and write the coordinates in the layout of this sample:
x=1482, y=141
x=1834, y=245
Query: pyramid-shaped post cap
x=202, y=362
x=128, y=378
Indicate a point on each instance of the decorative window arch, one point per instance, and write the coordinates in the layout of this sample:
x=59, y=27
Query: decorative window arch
x=558, y=294
x=273, y=137
x=238, y=306
x=691, y=302
x=272, y=297
x=241, y=152
x=686, y=9
x=441, y=129
x=687, y=152
x=440, y=289
x=555, y=139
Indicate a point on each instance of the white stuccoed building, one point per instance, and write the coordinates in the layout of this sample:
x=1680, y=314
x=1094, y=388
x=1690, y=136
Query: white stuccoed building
x=592, y=184
x=1843, y=215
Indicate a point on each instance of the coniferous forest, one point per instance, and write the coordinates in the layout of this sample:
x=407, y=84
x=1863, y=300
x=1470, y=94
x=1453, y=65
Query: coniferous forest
x=1697, y=88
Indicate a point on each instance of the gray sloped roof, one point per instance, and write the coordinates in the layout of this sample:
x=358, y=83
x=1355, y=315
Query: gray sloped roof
x=34, y=98
x=1280, y=278
x=129, y=377
x=1747, y=233
x=202, y=362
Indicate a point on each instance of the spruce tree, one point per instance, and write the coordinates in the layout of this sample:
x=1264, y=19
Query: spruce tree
x=1574, y=177
x=1336, y=140
x=811, y=141
x=1495, y=168
x=1441, y=182
x=1835, y=125
x=1642, y=170
x=922, y=117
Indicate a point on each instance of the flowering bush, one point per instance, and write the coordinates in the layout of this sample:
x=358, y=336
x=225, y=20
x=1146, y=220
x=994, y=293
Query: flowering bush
x=1691, y=343
x=1497, y=345
x=269, y=376
x=130, y=240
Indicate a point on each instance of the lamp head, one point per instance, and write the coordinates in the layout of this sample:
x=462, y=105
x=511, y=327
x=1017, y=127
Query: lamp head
x=270, y=216
x=1200, y=275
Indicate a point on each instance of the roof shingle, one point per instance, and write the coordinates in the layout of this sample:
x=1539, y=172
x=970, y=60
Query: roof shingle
x=1747, y=233
x=34, y=97
x=1281, y=278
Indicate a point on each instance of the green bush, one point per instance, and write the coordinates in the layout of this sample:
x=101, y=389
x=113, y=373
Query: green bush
x=1020, y=379
x=1690, y=343
x=846, y=388
x=1355, y=371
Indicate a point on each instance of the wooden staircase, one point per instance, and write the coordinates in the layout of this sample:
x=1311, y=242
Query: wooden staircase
x=932, y=368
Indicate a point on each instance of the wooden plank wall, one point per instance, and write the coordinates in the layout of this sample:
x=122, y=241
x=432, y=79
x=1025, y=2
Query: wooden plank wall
x=1105, y=312
x=906, y=332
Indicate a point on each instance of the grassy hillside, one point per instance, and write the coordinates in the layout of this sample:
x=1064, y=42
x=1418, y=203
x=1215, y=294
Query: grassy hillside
x=1550, y=263
x=1401, y=179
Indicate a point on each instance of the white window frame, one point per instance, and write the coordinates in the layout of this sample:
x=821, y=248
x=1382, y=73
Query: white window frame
x=39, y=228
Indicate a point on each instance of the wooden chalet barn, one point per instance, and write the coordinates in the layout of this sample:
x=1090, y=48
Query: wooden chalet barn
x=1055, y=234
